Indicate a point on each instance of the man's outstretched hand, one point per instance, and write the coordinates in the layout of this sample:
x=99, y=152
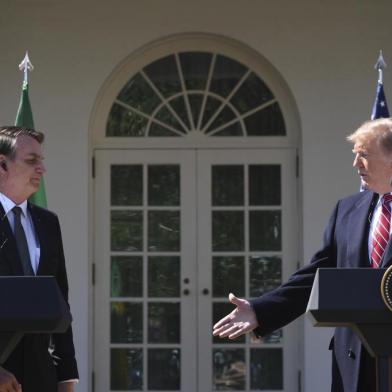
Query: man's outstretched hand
x=240, y=321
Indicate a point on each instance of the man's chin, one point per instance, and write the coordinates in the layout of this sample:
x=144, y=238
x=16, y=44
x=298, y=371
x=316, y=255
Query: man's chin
x=364, y=185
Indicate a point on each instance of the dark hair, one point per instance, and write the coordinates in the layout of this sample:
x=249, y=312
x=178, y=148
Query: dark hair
x=9, y=134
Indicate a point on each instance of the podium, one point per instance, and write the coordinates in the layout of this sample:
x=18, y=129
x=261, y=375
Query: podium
x=345, y=297
x=29, y=304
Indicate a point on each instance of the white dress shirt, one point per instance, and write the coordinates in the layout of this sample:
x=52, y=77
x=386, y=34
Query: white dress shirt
x=28, y=226
x=373, y=223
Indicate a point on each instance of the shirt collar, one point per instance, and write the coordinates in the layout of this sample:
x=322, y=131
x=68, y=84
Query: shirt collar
x=8, y=204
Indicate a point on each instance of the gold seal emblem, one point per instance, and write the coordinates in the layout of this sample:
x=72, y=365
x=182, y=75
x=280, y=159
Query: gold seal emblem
x=386, y=288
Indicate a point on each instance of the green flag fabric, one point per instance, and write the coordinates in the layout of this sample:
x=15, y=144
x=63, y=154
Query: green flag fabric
x=24, y=118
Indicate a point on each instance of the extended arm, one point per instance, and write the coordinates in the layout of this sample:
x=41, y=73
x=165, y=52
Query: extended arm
x=279, y=307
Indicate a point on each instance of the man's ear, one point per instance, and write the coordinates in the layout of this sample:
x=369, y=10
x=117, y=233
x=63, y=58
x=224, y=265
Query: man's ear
x=3, y=163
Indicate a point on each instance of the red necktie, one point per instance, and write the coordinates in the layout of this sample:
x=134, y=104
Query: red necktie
x=381, y=231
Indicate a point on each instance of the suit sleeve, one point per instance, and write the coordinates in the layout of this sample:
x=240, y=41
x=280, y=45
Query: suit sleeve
x=284, y=304
x=64, y=351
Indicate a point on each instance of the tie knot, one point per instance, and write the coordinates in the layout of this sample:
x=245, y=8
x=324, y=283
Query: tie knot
x=17, y=211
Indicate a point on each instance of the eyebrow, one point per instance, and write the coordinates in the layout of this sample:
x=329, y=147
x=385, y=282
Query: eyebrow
x=34, y=155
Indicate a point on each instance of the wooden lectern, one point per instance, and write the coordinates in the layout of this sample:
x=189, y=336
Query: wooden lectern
x=29, y=304
x=345, y=297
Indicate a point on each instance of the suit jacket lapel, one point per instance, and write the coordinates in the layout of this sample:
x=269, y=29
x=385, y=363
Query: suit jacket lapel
x=359, y=222
x=40, y=232
x=8, y=248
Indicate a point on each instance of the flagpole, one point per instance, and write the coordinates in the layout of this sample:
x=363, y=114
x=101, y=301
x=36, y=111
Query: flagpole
x=24, y=118
x=380, y=66
x=26, y=66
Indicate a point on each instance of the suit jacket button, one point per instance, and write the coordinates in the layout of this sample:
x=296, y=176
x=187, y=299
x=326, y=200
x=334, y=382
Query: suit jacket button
x=351, y=354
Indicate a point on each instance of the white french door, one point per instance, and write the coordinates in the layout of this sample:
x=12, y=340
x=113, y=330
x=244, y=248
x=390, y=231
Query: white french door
x=175, y=231
x=247, y=244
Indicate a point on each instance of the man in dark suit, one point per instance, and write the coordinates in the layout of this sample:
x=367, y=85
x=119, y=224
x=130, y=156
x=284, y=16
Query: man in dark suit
x=31, y=244
x=357, y=235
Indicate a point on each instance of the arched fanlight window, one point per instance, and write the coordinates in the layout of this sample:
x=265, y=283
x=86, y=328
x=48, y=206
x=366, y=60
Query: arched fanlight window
x=195, y=92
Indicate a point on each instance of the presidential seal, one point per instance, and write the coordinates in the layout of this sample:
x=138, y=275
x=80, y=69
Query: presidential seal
x=386, y=288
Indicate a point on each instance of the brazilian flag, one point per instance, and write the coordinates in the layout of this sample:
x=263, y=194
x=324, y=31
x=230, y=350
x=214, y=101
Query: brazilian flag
x=24, y=118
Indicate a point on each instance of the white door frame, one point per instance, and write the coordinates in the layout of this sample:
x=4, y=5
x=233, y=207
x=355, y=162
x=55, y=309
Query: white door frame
x=195, y=254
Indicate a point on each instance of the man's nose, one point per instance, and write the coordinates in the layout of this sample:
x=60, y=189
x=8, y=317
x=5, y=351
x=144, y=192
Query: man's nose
x=357, y=161
x=41, y=168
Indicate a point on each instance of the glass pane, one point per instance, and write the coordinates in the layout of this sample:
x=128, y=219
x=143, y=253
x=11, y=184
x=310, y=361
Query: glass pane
x=195, y=67
x=139, y=95
x=227, y=231
x=220, y=310
x=126, y=322
x=126, y=276
x=228, y=273
x=163, y=322
x=164, y=276
x=126, y=369
x=195, y=101
x=157, y=130
x=266, y=369
x=126, y=185
x=125, y=122
x=265, y=274
x=225, y=115
x=266, y=122
x=265, y=230
x=126, y=231
x=178, y=104
x=231, y=130
x=227, y=185
x=264, y=185
x=229, y=369
x=166, y=116
x=163, y=185
x=212, y=105
x=227, y=74
x=273, y=338
x=164, y=369
x=163, y=231
x=252, y=93
x=164, y=74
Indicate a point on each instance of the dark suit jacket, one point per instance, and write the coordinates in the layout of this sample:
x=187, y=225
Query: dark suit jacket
x=345, y=245
x=31, y=362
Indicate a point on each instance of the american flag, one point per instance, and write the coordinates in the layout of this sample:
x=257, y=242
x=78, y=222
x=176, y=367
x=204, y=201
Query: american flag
x=380, y=107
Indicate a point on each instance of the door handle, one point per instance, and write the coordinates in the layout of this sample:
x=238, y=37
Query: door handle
x=205, y=291
x=186, y=292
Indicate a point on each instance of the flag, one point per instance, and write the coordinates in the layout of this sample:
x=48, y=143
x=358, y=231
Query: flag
x=24, y=118
x=380, y=108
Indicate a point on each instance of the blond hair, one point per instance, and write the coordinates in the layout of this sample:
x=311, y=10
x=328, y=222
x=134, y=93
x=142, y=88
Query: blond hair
x=379, y=130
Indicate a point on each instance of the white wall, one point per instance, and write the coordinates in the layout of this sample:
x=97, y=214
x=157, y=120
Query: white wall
x=324, y=50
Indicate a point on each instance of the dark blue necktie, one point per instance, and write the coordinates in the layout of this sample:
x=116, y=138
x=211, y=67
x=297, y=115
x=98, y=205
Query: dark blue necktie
x=21, y=242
